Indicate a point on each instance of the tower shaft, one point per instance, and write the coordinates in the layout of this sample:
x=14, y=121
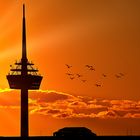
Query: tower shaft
x=24, y=112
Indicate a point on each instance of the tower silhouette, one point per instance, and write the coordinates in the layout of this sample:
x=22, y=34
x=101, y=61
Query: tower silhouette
x=24, y=77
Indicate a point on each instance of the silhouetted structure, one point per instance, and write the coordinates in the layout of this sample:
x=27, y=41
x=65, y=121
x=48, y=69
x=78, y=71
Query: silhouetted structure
x=23, y=76
x=74, y=132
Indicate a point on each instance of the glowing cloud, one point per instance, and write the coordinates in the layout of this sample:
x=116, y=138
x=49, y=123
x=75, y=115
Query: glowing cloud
x=63, y=105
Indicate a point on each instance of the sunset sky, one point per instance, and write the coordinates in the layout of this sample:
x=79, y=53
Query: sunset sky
x=101, y=33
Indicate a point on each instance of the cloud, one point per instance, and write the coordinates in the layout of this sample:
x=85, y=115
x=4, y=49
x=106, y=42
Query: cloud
x=130, y=115
x=63, y=105
x=49, y=96
x=9, y=98
x=69, y=106
x=107, y=114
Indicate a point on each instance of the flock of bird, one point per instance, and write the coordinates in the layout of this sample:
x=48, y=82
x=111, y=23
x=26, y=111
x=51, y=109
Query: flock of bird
x=90, y=68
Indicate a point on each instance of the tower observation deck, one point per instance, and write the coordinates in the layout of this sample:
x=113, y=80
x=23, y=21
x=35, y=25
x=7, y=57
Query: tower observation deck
x=25, y=77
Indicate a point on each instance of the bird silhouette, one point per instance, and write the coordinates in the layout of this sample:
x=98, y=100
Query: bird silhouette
x=117, y=76
x=68, y=66
x=104, y=75
x=79, y=75
x=121, y=74
x=69, y=74
x=83, y=81
x=71, y=78
x=97, y=85
x=90, y=67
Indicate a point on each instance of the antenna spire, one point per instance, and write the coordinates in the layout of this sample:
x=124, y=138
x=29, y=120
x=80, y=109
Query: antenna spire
x=23, y=10
x=24, y=55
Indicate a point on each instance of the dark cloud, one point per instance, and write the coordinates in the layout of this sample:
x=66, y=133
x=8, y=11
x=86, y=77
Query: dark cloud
x=54, y=111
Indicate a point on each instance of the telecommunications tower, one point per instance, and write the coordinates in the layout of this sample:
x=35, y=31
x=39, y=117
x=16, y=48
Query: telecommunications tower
x=25, y=77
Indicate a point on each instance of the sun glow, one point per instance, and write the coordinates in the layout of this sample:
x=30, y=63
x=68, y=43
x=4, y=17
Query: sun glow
x=77, y=33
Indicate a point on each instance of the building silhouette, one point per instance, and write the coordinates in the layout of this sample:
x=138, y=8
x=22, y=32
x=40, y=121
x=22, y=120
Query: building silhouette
x=74, y=132
x=25, y=77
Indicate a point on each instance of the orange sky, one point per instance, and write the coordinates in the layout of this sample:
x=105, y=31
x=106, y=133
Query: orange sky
x=101, y=33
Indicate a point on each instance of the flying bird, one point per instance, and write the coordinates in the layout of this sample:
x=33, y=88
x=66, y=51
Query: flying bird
x=71, y=78
x=68, y=66
x=121, y=74
x=97, y=85
x=79, y=75
x=69, y=74
x=83, y=81
x=104, y=75
x=90, y=67
x=117, y=76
